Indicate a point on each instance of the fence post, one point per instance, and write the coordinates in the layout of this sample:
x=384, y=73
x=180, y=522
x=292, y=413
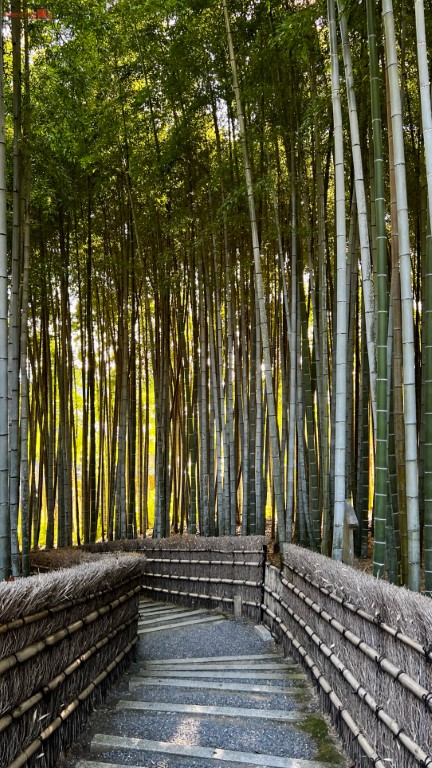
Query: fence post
x=350, y=525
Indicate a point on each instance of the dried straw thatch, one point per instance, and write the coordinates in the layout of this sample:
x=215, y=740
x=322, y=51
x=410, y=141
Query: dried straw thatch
x=208, y=572
x=355, y=629
x=63, y=637
x=213, y=544
x=192, y=570
x=50, y=590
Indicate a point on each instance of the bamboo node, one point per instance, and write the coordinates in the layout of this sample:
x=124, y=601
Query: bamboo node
x=428, y=651
x=427, y=698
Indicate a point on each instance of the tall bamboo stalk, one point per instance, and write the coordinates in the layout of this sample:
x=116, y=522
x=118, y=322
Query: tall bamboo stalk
x=4, y=475
x=341, y=294
x=410, y=407
x=381, y=460
x=426, y=112
x=272, y=415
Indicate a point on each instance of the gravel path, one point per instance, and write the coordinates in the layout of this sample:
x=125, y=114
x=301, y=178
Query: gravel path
x=130, y=730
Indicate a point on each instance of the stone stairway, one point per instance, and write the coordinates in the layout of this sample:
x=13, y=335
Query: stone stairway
x=199, y=711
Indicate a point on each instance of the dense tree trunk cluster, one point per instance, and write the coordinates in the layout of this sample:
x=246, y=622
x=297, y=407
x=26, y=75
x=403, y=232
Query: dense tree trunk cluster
x=215, y=276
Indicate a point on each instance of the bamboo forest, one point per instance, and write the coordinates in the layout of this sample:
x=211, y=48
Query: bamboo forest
x=216, y=275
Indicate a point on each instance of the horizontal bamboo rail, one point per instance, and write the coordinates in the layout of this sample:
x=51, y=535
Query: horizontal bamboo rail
x=193, y=595
x=382, y=661
x=397, y=731
x=205, y=580
x=197, y=596
x=395, y=633
x=65, y=606
x=187, y=551
x=38, y=743
x=185, y=561
x=33, y=650
x=24, y=707
x=328, y=691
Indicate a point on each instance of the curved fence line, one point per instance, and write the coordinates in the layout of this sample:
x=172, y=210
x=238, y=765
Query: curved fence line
x=386, y=688
x=366, y=645
x=48, y=687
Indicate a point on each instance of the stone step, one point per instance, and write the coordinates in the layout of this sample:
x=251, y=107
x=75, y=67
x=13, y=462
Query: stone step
x=177, y=625
x=279, y=715
x=149, y=610
x=136, y=682
x=176, y=615
x=105, y=742
x=191, y=667
x=221, y=675
x=203, y=659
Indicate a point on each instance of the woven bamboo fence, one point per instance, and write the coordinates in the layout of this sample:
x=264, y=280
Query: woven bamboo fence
x=201, y=572
x=64, y=637
x=368, y=648
x=210, y=574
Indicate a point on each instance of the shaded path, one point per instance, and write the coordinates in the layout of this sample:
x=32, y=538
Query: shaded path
x=206, y=691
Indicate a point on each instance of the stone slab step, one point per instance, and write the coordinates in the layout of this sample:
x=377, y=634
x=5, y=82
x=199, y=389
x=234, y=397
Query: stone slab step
x=169, y=616
x=104, y=742
x=192, y=667
x=136, y=682
x=178, y=625
x=220, y=675
x=148, y=610
x=279, y=715
x=203, y=659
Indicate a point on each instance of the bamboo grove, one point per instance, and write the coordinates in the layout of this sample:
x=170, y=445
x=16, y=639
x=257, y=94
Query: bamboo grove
x=216, y=275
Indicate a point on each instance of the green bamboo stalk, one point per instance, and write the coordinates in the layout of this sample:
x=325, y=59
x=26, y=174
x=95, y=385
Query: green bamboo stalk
x=381, y=459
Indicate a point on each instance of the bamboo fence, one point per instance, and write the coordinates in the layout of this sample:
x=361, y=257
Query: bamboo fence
x=64, y=638
x=209, y=576
x=366, y=646
x=201, y=572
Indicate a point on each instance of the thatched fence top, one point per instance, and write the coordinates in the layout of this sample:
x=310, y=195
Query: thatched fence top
x=390, y=606
x=367, y=647
x=214, y=544
x=366, y=644
x=64, y=636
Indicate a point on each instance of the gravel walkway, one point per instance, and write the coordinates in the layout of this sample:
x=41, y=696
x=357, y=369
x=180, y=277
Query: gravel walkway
x=191, y=700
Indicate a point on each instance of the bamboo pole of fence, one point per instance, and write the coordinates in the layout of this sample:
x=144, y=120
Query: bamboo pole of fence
x=38, y=743
x=328, y=691
x=395, y=633
x=397, y=731
x=382, y=661
x=64, y=606
x=33, y=650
